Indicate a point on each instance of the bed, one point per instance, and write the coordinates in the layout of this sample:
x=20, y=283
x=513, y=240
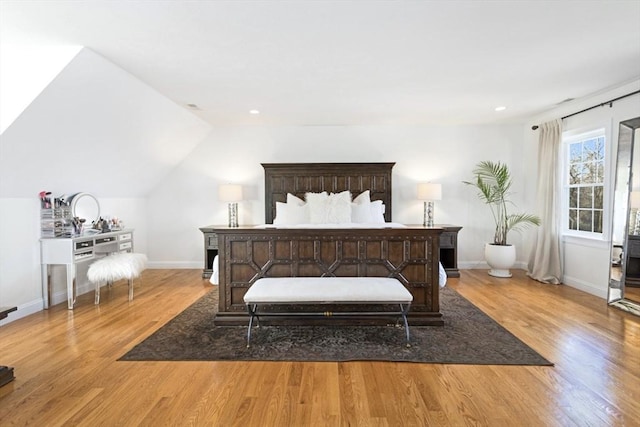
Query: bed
x=409, y=254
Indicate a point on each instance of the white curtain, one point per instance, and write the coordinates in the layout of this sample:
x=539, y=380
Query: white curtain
x=544, y=260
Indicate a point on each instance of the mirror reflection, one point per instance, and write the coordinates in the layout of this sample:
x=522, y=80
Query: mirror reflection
x=624, y=281
x=86, y=206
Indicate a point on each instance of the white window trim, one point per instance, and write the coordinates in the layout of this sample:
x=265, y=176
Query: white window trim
x=578, y=134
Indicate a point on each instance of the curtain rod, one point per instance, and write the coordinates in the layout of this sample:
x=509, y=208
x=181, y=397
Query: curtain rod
x=609, y=103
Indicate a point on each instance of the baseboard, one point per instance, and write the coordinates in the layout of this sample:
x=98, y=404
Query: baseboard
x=589, y=288
x=24, y=310
x=473, y=265
x=482, y=265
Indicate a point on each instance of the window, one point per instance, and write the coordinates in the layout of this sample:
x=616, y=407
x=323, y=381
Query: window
x=584, y=197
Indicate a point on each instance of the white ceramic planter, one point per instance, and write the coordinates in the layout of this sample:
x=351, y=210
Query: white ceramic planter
x=500, y=259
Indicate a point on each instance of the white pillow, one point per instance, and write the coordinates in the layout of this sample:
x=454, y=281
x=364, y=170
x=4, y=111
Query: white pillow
x=363, y=198
x=377, y=212
x=361, y=209
x=334, y=208
x=361, y=213
x=317, y=205
x=339, y=208
x=294, y=200
x=290, y=214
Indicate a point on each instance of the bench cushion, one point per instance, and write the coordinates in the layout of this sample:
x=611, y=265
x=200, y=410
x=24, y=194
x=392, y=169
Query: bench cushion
x=327, y=290
x=116, y=267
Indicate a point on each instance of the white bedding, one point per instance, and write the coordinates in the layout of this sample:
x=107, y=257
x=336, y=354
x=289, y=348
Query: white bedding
x=214, y=276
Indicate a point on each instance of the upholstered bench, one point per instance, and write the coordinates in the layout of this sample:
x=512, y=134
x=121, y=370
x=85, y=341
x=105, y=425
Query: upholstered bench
x=116, y=267
x=327, y=290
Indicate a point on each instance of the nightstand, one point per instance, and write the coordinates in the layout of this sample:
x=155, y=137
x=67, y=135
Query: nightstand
x=449, y=249
x=210, y=249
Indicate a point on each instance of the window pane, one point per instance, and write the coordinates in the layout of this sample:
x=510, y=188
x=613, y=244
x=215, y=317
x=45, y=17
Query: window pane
x=589, y=152
x=589, y=173
x=600, y=172
x=586, y=197
x=573, y=219
x=575, y=152
x=574, y=174
x=598, y=197
x=601, y=148
x=586, y=220
x=573, y=197
x=597, y=221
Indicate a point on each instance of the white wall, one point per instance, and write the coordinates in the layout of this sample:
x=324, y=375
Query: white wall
x=20, y=255
x=587, y=262
x=187, y=198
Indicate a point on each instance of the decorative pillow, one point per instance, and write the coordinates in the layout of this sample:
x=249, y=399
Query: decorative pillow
x=361, y=209
x=317, y=205
x=294, y=200
x=377, y=212
x=334, y=208
x=363, y=198
x=339, y=208
x=361, y=213
x=290, y=214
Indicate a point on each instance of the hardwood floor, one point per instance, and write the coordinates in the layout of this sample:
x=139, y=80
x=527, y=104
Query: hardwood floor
x=67, y=373
x=632, y=293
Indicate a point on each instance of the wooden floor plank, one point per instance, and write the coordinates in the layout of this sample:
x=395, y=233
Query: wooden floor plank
x=67, y=372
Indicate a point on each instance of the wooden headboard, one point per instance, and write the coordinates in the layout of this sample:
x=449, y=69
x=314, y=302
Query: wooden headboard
x=300, y=178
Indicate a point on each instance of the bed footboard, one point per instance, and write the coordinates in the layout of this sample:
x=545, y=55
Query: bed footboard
x=410, y=255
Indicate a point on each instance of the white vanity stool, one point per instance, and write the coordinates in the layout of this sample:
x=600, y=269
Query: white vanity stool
x=116, y=267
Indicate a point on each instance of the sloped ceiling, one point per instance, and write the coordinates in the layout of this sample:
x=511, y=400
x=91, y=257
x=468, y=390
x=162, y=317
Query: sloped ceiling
x=351, y=62
x=98, y=129
x=24, y=72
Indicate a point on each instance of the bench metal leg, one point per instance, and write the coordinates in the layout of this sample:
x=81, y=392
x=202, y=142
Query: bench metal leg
x=405, y=309
x=252, y=314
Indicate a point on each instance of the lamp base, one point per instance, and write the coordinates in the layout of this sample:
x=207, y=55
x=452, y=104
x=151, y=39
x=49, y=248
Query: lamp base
x=233, y=215
x=428, y=214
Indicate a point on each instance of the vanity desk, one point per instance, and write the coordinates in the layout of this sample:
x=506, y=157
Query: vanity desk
x=71, y=251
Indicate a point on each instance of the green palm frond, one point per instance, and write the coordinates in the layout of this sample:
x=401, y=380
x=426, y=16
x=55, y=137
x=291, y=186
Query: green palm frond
x=493, y=181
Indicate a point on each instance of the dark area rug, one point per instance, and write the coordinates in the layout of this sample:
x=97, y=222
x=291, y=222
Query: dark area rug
x=468, y=337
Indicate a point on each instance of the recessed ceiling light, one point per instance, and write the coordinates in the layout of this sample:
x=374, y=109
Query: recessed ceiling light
x=193, y=106
x=254, y=112
x=501, y=108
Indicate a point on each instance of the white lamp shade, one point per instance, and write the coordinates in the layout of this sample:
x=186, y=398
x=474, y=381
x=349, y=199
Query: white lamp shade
x=429, y=191
x=230, y=192
x=635, y=200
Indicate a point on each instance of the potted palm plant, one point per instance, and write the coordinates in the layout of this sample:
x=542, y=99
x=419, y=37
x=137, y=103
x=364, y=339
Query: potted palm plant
x=493, y=182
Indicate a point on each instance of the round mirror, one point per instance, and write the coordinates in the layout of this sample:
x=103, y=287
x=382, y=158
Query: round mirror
x=85, y=205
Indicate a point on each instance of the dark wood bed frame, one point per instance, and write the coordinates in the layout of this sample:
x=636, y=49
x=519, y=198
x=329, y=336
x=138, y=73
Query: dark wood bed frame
x=247, y=254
